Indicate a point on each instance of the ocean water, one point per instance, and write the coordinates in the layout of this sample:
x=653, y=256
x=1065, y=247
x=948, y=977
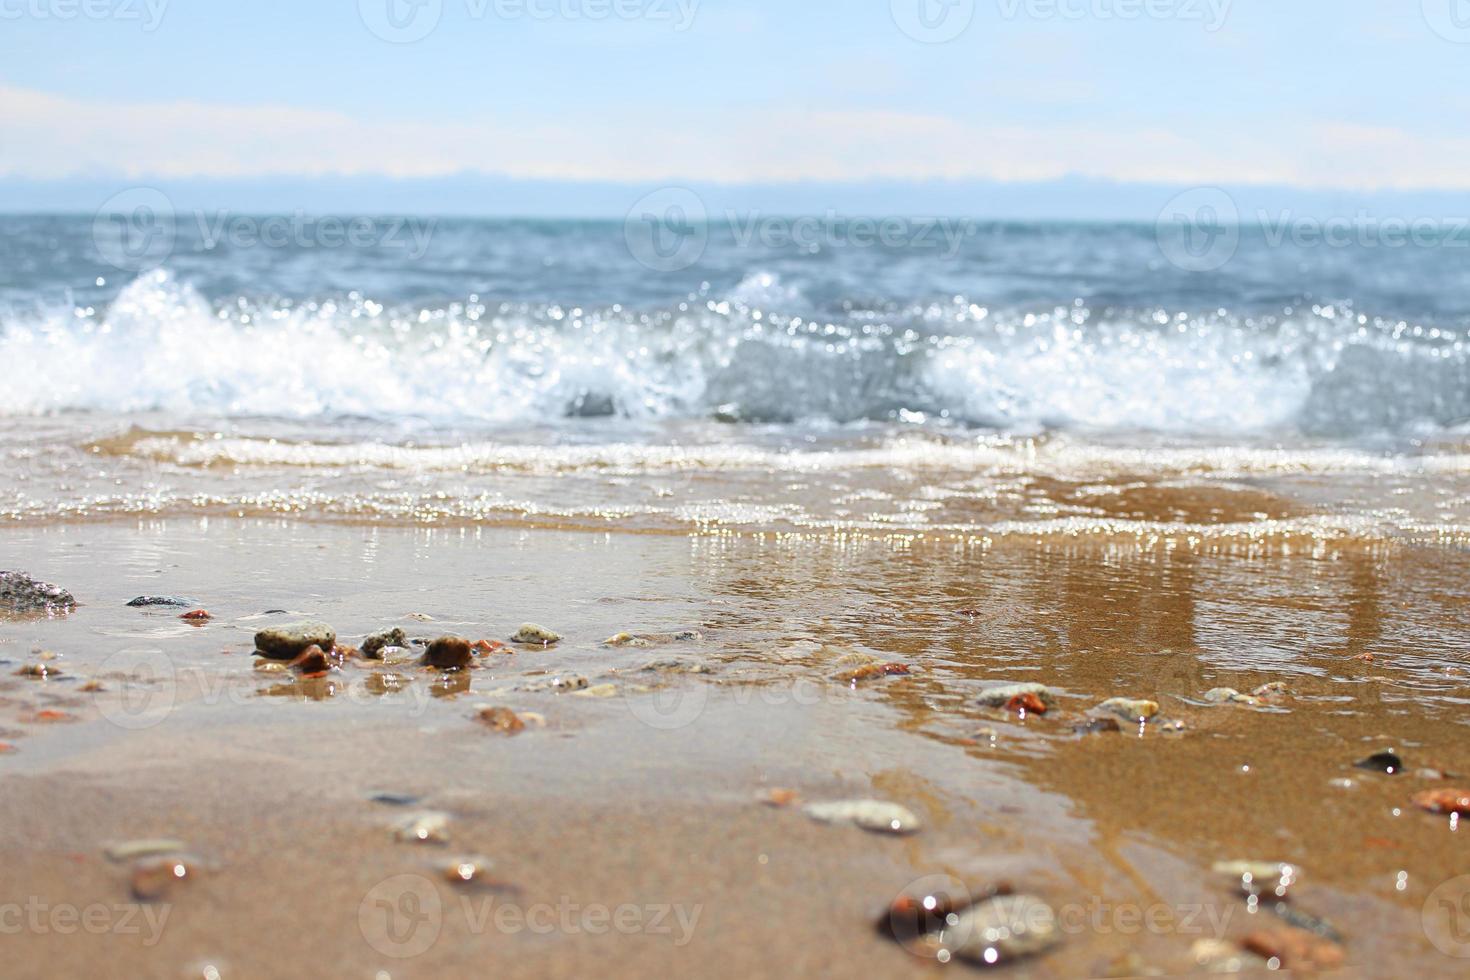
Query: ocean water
x=967, y=377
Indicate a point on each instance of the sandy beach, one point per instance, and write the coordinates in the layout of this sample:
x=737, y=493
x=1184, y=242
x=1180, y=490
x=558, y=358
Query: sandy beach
x=631, y=826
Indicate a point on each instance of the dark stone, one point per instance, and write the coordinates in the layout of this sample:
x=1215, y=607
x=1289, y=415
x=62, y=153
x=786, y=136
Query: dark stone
x=144, y=601
x=450, y=653
x=372, y=647
x=1387, y=761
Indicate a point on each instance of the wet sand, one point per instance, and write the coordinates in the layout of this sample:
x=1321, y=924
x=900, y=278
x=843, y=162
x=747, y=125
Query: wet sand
x=645, y=803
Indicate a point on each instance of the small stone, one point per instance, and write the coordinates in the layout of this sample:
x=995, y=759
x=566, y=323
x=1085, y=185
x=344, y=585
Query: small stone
x=599, y=691
x=780, y=798
x=450, y=653
x=197, y=616
x=289, y=642
x=485, y=648
x=466, y=869
x=573, y=682
x=534, y=635
x=144, y=601
x=21, y=594
x=1273, y=689
x=373, y=646
x=155, y=878
x=428, y=827
x=1218, y=956
x=1294, y=949
x=1447, y=801
x=627, y=640
x=1229, y=695
x=874, y=815
x=1004, y=929
x=1260, y=877
x=1133, y=710
x=313, y=660
x=672, y=666
x=999, y=697
x=502, y=720
x=130, y=849
x=873, y=671
x=394, y=799
x=40, y=672
x=272, y=666
x=1386, y=762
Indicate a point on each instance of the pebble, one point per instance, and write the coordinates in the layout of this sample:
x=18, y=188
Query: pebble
x=873, y=671
x=394, y=799
x=1260, y=877
x=373, y=646
x=502, y=720
x=599, y=691
x=1130, y=708
x=466, y=869
x=874, y=815
x=1387, y=762
x=671, y=666
x=313, y=660
x=197, y=616
x=1294, y=949
x=535, y=635
x=999, y=697
x=428, y=827
x=155, y=878
x=144, y=601
x=1229, y=695
x=39, y=672
x=19, y=593
x=1219, y=956
x=1447, y=801
x=564, y=685
x=627, y=640
x=450, y=653
x=130, y=849
x=1273, y=689
x=289, y=642
x=1004, y=929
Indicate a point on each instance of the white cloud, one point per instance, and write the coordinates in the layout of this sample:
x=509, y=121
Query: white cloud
x=49, y=136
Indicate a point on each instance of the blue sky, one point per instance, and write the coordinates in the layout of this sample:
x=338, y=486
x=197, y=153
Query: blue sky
x=1356, y=94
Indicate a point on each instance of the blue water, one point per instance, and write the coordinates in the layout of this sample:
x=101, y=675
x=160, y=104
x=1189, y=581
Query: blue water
x=1018, y=327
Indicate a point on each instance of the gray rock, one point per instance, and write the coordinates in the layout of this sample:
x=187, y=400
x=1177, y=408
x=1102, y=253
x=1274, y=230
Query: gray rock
x=19, y=593
x=144, y=601
x=373, y=646
x=289, y=642
x=1003, y=929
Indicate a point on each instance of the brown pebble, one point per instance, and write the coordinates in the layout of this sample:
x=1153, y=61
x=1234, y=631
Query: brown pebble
x=450, y=653
x=1295, y=949
x=1448, y=801
x=313, y=660
x=781, y=797
x=38, y=672
x=502, y=720
x=197, y=616
x=156, y=877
